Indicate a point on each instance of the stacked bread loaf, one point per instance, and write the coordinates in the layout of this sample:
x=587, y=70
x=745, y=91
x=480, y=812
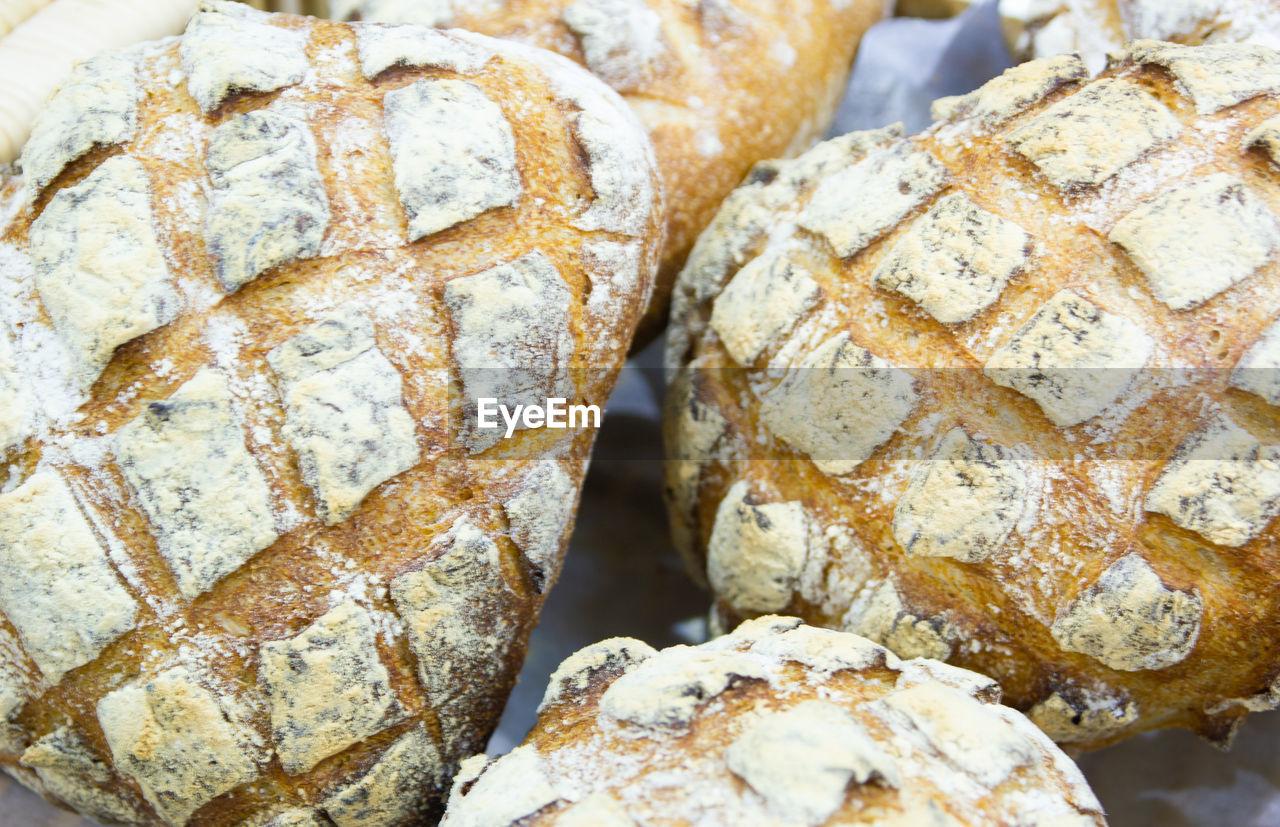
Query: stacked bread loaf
x=774, y=724
x=1042, y=28
x=1003, y=393
x=720, y=84
x=255, y=561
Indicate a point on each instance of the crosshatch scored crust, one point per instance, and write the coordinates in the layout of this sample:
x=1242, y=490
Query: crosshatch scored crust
x=775, y=724
x=1091, y=528
x=720, y=84
x=286, y=559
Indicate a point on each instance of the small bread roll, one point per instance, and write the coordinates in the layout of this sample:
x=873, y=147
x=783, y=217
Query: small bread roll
x=721, y=84
x=1004, y=393
x=1040, y=28
x=777, y=723
x=257, y=564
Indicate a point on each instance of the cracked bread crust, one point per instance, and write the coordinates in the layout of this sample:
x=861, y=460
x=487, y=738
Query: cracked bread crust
x=285, y=590
x=720, y=84
x=1080, y=499
x=774, y=724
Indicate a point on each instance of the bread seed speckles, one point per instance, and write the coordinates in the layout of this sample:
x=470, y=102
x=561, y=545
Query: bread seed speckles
x=326, y=687
x=1129, y=620
x=387, y=793
x=231, y=48
x=839, y=404
x=1196, y=240
x=1014, y=91
x=757, y=551
x=452, y=151
x=1085, y=139
x=99, y=267
x=96, y=106
x=539, y=515
x=962, y=502
x=56, y=586
x=760, y=304
x=1216, y=75
x=1222, y=483
x=345, y=412
x=512, y=341
x=955, y=260
x=452, y=610
x=70, y=770
x=268, y=206
x=205, y=495
x=1258, y=371
x=857, y=205
x=1072, y=357
x=173, y=737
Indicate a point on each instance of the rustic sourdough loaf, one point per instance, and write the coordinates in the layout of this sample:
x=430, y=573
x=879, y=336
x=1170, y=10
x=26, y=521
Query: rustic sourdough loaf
x=1041, y=28
x=254, y=560
x=720, y=84
x=1004, y=393
x=775, y=724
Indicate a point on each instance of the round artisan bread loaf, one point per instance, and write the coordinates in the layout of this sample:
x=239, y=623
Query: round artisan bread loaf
x=1004, y=393
x=720, y=84
x=256, y=557
x=777, y=723
x=1042, y=28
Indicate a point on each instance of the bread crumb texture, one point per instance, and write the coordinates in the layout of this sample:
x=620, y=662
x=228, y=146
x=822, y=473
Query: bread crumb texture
x=256, y=566
x=775, y=723
x=1003, y=393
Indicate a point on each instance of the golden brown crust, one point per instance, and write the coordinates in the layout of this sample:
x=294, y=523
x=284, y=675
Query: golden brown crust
x=1058, y=539
x=730, y=82
x=440, y=566
x=776, y=723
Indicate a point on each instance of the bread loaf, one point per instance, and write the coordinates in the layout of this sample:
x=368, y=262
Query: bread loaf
x=1041, y=28
x=257, y=561
x=777, y=723
x=720, y=84
x=1003, y=393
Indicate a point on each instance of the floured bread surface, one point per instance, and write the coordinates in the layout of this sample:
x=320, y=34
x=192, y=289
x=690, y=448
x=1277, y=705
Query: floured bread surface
x=1004, y=393
x=99, y=267
x=253, y=567
x=756, y=728
x=1041, y=28
x=719, y=85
